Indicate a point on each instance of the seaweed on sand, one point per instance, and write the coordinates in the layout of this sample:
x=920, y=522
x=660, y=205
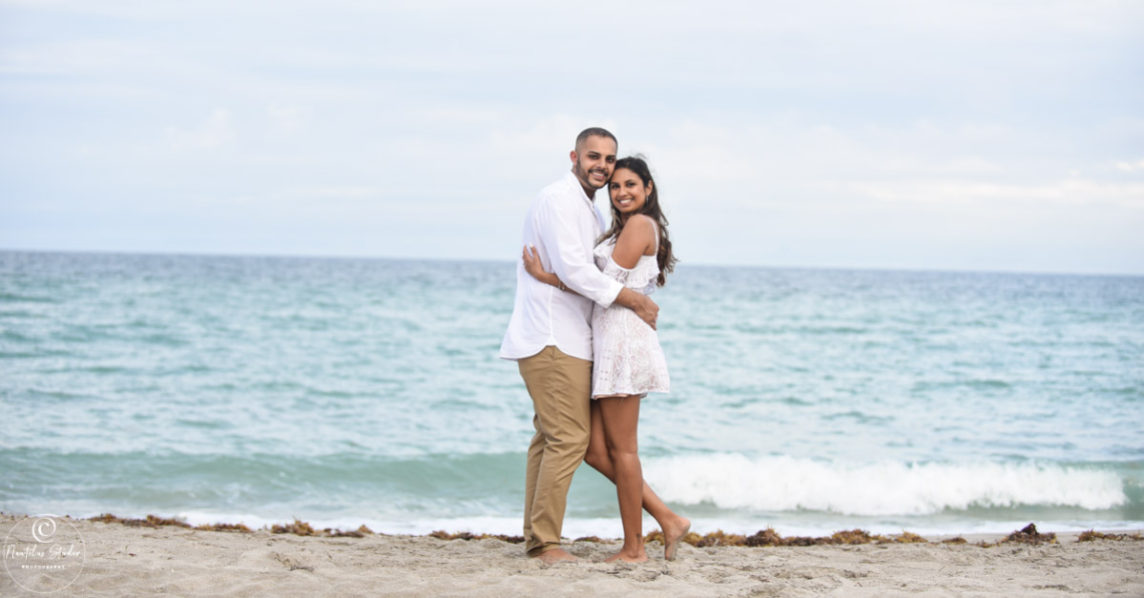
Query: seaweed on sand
x=150, y=521
x=1030, y=535
x=1092, y=536
x=444, y=535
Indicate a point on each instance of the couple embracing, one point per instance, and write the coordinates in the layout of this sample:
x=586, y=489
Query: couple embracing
x=581, y=296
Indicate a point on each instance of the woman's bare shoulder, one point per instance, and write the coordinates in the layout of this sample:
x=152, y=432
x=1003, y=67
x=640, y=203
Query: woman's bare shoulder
x=638, y=234
x=639, y=224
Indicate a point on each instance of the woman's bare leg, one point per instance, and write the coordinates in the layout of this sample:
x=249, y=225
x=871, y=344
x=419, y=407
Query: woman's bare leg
x=674, y=527
x=620, y=416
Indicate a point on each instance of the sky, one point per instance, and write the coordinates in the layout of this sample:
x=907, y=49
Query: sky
x=967, y=135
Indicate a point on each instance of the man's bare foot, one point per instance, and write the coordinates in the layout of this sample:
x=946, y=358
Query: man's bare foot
x=556, y=555
x=625, y=557
x=672, y=537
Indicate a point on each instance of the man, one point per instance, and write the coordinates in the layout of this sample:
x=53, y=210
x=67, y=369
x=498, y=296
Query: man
x=550, y=334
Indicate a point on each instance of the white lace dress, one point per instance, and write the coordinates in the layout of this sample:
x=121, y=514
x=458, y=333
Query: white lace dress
x=627, y=358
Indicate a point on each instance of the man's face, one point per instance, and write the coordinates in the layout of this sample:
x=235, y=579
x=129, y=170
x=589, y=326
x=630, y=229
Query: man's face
x=593, y=162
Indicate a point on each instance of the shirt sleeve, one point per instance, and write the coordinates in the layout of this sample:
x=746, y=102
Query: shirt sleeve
x=561, y=233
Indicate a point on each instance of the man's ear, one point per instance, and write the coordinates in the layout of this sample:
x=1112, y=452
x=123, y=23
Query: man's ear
x=572, y=155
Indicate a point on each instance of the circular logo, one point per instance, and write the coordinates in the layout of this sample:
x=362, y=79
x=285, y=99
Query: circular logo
x=43, y=529
x=43, y=554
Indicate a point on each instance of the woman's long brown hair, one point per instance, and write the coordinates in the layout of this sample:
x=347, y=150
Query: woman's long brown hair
x=664, y=257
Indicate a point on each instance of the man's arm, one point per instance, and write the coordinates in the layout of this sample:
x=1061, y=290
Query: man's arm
x=561, y=238
x=574, y=265
x=644, y=307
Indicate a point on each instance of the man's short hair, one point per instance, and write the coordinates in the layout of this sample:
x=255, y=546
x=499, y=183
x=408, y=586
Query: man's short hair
x=594, y=131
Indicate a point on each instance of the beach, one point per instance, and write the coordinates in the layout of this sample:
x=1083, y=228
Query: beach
x=134, y=560
x=350, y=393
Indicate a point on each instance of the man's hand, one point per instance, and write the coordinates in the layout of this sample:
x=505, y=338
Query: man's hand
x=648, y=311
x=644, y=307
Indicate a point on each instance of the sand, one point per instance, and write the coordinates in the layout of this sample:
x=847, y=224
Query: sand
x=119, y=560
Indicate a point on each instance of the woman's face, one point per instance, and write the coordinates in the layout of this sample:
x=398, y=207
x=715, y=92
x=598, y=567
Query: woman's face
x=629, y=194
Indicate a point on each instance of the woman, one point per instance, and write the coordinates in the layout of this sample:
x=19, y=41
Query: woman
x=628, y=360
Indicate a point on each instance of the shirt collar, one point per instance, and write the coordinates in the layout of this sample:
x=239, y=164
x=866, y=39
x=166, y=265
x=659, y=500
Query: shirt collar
x=572, y=180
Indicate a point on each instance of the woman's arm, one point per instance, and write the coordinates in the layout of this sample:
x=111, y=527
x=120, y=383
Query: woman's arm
x=637, y=238
x=536, y=270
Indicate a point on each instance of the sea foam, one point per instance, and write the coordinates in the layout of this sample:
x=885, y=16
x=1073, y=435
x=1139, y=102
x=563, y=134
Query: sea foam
x=779, y=483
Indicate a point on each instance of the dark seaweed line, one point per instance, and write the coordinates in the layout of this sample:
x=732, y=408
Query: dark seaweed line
x=762, y=538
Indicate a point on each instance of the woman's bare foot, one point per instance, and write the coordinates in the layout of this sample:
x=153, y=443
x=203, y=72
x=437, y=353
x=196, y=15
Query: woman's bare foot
x=556, y=555
x=628, y=557
x=672, y=537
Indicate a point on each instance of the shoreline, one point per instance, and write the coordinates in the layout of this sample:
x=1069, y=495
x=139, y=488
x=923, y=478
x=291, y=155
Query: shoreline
x=140, y=557
x=768, y=537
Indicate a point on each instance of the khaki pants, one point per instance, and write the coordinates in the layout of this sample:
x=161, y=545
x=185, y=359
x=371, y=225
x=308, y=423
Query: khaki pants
x=560, y=386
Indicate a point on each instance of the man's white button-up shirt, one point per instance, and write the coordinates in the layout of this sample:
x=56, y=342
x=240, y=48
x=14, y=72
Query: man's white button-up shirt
x=563, y=224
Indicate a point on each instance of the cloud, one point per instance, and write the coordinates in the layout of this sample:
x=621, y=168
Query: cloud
x=769, y=122
x=1071, y=192
x=1130, y=166
x=285, y=120
x=215, y=131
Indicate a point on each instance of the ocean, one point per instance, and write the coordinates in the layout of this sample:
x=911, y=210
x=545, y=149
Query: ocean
x=368, y=391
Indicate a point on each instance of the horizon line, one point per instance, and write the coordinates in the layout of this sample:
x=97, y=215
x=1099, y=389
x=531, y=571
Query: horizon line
x=411, y=258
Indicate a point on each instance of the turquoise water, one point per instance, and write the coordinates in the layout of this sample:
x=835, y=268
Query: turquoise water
x=345, y=391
